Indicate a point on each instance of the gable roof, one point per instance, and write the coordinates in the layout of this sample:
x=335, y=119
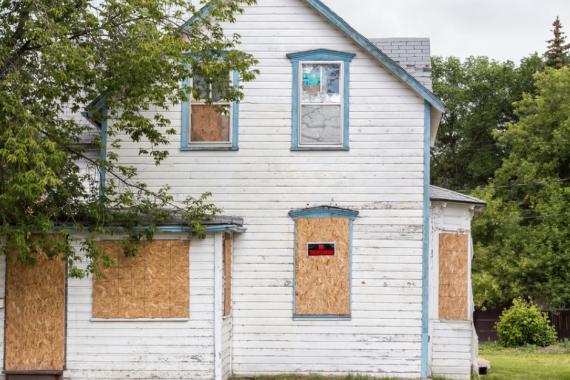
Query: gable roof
x=437, y=193
x=363, y=42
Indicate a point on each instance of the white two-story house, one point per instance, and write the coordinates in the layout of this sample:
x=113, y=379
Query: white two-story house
x=326, y=259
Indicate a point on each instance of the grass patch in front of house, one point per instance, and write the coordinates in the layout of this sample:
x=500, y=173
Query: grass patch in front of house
x=528, y=362
x=313, y=377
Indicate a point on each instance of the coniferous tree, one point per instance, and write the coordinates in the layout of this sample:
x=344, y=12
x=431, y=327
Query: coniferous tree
x=557, y=54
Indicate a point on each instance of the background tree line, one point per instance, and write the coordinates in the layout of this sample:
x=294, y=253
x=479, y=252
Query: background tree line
x=505, y=138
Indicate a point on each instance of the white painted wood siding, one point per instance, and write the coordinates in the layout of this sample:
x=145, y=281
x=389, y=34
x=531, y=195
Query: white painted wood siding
x=381, y=177
x=145, y=350
x=452, y=349
x=227, y=335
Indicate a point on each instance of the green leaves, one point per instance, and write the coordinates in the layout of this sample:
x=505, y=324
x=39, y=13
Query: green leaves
x=523, y=239
x=57, y=56
x=479, y=94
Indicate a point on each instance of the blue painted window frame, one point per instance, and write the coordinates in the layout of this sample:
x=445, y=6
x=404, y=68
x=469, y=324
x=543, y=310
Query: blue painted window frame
x=322, y=212
x=185, y=144
x=312, y=56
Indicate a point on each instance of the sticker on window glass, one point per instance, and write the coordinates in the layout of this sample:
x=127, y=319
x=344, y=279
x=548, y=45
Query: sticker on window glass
x=321, y=83
x=320, y=249
x=311, y=79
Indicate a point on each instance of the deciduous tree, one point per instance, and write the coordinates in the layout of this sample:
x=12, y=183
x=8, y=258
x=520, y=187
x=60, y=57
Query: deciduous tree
x=58, y=55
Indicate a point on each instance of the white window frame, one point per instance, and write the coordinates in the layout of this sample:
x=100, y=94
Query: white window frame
x=341, y=104
x=192, y=102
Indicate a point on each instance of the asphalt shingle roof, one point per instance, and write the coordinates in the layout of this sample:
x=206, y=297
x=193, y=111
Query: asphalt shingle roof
x=440, y=194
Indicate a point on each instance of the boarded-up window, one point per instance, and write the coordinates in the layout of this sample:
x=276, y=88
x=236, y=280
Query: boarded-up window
x=35, y=315
x=154, y=284
x=453, y=276
x=228, y=248
x=322, y=263
x=209, y=123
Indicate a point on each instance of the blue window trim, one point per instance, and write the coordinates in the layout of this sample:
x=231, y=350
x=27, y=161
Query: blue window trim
x=316, y=56
x=320, y=213
x=98, y=105
x=185, y=144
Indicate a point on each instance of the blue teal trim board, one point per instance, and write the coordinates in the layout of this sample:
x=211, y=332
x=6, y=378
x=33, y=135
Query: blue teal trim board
x=163, y=229
x=391, y=65
x=323, y=212
x=103, y=152
x=186, y=145
x=425, y=245
x=316, y=213
x=316, y=56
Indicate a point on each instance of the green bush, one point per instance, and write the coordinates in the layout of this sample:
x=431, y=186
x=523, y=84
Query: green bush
x=523, y=323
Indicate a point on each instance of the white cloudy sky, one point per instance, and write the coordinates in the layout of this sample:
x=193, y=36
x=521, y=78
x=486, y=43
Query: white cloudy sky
x=502, y=29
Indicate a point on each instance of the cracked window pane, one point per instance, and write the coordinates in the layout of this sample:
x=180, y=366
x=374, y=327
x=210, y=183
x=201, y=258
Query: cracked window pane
x=320, y=125
x=321, y=83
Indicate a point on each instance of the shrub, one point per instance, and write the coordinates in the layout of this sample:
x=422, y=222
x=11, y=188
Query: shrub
x=523, y=323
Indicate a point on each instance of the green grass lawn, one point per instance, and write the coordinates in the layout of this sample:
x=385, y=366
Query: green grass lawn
x=527, y=363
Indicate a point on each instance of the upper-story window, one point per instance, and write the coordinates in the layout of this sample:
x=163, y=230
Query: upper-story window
x=214, y=125
x=320, y=117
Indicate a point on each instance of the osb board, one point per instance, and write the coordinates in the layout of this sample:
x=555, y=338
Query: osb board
x=228, y=247
x=453, y=276
x=208, y=125
x=153, y=284
x=322, y=282
x=35, y=315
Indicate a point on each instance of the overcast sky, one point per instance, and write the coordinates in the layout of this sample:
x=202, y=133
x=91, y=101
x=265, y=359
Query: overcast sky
x=501, y=29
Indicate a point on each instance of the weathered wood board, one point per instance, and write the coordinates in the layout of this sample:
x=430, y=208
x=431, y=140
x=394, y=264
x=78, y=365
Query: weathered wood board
x=228, y=249
x=154, y=284
x=209, y=125
x=322, y=282
x=35, y=315
x=453, y=276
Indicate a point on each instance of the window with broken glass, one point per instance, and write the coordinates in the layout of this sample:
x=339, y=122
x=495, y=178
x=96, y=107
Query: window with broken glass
x=210, y=121
x=321, y=102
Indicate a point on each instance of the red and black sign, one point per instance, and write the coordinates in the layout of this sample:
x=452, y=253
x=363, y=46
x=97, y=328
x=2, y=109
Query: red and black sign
x=321, y=249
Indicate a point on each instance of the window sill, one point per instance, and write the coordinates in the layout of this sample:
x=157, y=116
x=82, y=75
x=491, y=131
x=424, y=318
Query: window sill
x=319, y=148
x=209, y=148
x=324, y=317
x=139, y=319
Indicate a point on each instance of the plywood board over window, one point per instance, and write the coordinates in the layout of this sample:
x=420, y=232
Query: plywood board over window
x=35, y=315
x=453, y=276
x=322, y=282
x=153, y=284
x=228, y=248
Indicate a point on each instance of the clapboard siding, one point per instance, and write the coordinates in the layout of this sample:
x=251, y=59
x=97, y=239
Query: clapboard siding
x=452, y=349
x=227, y=338
x=145, y=350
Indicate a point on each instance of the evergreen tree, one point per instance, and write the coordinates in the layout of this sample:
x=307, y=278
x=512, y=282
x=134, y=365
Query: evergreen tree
x=557, y=54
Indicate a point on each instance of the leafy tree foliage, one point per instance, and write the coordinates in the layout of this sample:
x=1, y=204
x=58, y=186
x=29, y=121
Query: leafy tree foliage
x=479, y=94
x=557, y=54
x=523, y=239
x=58, y=55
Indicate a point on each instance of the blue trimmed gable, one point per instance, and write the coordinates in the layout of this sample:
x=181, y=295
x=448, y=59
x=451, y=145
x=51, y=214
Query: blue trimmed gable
x=391, y=65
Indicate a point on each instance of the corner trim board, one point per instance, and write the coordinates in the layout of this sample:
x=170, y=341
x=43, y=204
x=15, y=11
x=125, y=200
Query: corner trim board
x=424, y=369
